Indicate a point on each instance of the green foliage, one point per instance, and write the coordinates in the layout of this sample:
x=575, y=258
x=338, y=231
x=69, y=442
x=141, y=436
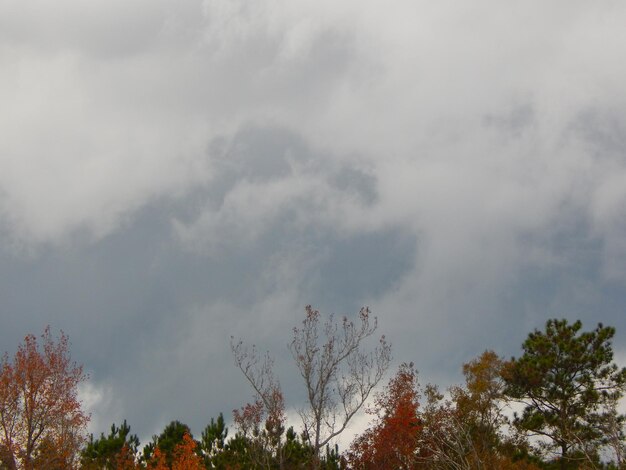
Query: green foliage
x=214, y=436
x=167, y=441
x=248, y=452
x=102, y=453
x=213, y=444
x=297, y=453
x=567, y=380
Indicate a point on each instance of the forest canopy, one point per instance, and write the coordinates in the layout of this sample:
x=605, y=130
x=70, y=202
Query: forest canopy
x=556, y=406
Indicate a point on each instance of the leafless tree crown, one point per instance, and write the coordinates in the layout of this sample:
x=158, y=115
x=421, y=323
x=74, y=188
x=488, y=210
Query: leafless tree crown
x=337, y=373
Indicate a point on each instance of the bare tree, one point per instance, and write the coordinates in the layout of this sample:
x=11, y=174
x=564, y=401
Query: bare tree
x=259, y=371
x=269, y=404
x=613, y=429
x=338, y=375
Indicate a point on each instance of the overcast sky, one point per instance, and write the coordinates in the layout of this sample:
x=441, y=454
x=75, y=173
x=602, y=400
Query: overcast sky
x=176, y=172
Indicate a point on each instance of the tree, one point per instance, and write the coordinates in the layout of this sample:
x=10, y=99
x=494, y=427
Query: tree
x=393, y=441
x=266, y=442
x=161, y=450
x=126, y=459
x=480, y=402
x=157, y=460
x=297, y=453
x=444, y=443
x=462, y=432
x=567, y=380
x=42, y=424
x=213, y=443
x=338, y=378
x=476, y=422
x=338, y=375
x=185, y=456
x=247, y=449
x=110, y=452
x=613, y=430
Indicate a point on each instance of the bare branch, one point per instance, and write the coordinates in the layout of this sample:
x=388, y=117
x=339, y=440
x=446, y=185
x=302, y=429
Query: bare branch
x=338, y=376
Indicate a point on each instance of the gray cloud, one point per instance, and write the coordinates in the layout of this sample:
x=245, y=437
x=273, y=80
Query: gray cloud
x=174, y=174
x=147, y=311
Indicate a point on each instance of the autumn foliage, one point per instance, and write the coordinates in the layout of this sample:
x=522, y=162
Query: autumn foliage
x=184, y=457
x=392, y=442
x=126, y=460
x=158, y=461
x=42, y=424
x=457, y=433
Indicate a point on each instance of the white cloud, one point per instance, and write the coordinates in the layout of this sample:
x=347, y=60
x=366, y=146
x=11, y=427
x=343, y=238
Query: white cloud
x=97, y=402
x=492, y=133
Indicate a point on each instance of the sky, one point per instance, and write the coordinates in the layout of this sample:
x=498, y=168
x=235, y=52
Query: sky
x=174, y=173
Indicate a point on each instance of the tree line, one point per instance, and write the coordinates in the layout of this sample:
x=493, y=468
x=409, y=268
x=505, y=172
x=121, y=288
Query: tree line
x=556, y=406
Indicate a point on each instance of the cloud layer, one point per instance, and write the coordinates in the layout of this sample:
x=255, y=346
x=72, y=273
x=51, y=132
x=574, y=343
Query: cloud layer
x=173, y=174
